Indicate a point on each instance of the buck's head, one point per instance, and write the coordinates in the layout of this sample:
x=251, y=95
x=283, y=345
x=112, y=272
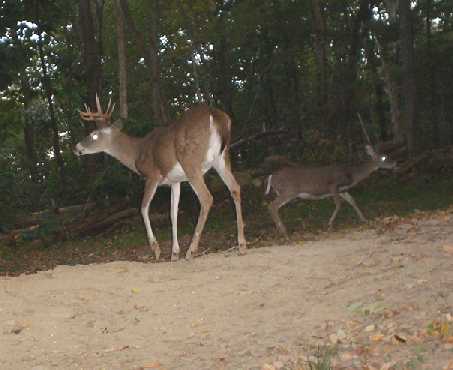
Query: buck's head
x=100, y=140
x=381, y=160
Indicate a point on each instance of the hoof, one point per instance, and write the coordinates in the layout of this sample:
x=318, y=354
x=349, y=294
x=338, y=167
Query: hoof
x=174, y=257
x=242, y=250
x=157, y=255
x=155, y=248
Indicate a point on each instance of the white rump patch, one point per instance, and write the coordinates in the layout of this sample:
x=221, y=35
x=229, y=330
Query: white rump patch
x=215, y=143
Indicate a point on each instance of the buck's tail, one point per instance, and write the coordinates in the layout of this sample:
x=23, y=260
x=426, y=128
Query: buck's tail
x=269, y=185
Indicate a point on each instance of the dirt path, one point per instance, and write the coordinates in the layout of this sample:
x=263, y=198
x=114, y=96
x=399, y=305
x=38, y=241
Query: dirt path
x=385, y=298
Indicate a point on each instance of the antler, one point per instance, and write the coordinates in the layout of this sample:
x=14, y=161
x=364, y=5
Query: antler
x=365, y=133
x=98, y=116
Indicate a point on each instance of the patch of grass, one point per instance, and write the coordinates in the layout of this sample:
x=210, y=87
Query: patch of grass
x=323, y=359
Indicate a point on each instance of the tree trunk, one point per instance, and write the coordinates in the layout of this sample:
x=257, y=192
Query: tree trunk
x=29, y=133
x=222, y=68
x=48, y=95
x=319, y=28
x=392, y=91
x=361, y=18
x=90, y=51
x=150, y=53
x=159, y=111
x=93, y=69
x=408, y=93
x=432, y=96
x=122, y=59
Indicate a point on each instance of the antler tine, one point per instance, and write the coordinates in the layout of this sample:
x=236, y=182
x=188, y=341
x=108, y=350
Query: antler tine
x=113, y=108
x=98, y=104
x=108, y=106
x=365, y=133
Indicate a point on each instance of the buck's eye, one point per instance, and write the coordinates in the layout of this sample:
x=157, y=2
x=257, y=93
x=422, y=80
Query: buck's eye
x=94, y=136
x=383, y=158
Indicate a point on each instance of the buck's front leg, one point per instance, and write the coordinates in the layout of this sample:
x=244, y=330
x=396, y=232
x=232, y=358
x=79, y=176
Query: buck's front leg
x=150, y=190
x=175, y=192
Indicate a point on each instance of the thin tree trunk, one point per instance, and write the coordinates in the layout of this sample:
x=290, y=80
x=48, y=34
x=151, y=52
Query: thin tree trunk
x=432, y=96
x=319, y=28
x=392, y=91
x=408, y=92
x=93, y=69
x=222, y=67
x=159, y=111
x=360, y=19
x=150, y=53
x=48, y=95
x=122, y=59
x=90, y=51
x=29, y=133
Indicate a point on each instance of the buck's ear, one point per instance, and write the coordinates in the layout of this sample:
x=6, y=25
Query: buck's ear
x=369, y=149
x=118, y=124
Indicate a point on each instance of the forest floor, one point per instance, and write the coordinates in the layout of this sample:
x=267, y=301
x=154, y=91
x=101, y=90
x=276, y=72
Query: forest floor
x=372, y=297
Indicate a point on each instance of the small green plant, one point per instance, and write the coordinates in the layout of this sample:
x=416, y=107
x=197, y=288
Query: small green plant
x=323, y=359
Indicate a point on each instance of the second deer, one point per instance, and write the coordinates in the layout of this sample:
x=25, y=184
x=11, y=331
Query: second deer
x=182, y=151
x=332, y=181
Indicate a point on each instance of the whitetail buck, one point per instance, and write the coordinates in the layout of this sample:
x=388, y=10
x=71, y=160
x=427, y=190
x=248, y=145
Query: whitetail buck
x=321, y=182
x=182, y=151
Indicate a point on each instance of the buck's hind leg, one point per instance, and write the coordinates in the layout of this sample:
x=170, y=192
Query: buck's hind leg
x=337, y=201
x=274, y=206
x=223, y=168
x=196, y=180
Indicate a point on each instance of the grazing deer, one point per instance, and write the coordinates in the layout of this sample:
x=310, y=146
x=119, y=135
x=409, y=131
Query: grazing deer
x=182, y=151
x=321, y=182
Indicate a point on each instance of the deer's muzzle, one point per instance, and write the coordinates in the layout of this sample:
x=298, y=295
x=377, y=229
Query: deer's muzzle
x=78, y=150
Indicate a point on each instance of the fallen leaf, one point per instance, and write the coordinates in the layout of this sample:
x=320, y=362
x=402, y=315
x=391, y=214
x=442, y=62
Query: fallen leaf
x=152, y=365
x=135, y=290
x=377, y=337
x=444, y=329
x=116, y=349
x=267, y=367
x=333, y=338
x=370, y=328
x=448, y=249
x=399, y=338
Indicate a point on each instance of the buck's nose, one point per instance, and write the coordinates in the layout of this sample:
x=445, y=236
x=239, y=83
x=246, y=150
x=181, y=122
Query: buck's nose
x=78, y=150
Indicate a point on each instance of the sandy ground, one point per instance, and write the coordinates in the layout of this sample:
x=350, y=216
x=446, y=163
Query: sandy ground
x=383, y=296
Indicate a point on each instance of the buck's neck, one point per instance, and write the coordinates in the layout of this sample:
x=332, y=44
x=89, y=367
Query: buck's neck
x=363, y=170
x=125, y=148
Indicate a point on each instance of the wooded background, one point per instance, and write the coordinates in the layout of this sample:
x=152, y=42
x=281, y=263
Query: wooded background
x=293, y=74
